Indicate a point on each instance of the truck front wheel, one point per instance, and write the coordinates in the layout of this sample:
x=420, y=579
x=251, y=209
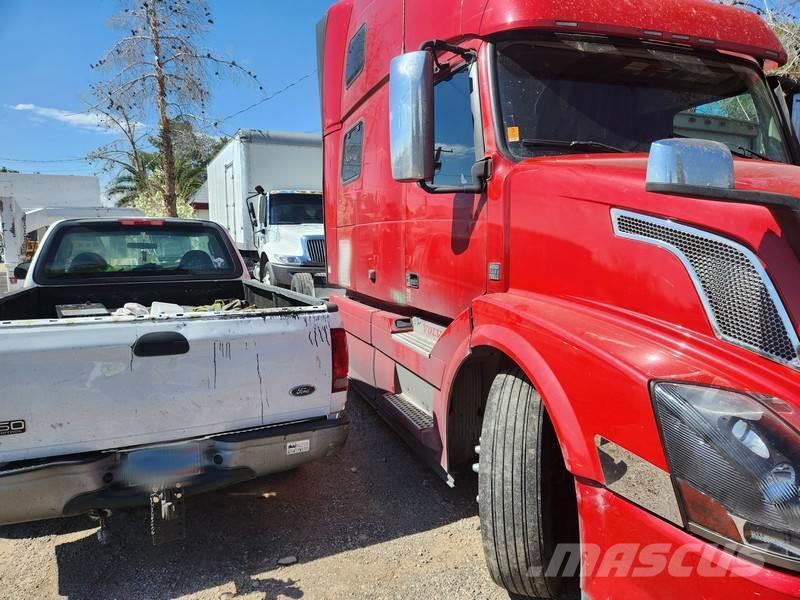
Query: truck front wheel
x=527, y=497
x=303, y=283
x=264, y=271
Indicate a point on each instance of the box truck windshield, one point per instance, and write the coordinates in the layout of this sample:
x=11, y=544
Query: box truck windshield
x=295, y=209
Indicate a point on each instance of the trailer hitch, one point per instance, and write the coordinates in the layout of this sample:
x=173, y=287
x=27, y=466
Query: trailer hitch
x=167, y=515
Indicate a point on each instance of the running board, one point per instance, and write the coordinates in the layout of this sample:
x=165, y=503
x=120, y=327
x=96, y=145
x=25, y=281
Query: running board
x=421, y=337
x=415, y=415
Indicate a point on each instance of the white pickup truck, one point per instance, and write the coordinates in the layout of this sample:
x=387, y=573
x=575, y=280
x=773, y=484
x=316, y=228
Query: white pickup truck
x=140, y=364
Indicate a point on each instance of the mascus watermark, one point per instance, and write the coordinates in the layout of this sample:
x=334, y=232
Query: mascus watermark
x=693, y=559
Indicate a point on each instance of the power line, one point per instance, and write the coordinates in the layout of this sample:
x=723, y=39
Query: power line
x=216, y=123
x=266, y=98
x=55, y=160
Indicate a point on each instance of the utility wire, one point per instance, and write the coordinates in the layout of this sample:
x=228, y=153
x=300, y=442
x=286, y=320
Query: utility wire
x=55, y=160
x=266, y=98
x=216, y=123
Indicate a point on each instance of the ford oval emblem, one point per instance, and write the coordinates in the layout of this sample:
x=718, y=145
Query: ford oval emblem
x=303, y=390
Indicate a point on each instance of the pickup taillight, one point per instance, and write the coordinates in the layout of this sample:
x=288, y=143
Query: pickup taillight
x=340, y=359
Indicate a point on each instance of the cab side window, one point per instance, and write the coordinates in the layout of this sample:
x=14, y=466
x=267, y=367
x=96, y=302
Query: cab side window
x=454, y=142
x=355, y=55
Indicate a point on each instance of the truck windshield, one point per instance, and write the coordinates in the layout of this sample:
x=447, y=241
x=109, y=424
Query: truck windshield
x=114, y=250
x=295, y=208
x=603, y=97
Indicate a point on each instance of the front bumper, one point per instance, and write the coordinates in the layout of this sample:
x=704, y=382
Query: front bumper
x=75, y=485
x=629, y=553
x=283, y=273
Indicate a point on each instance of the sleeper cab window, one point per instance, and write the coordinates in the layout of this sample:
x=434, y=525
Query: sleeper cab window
x=352, y=151
x=355, y=55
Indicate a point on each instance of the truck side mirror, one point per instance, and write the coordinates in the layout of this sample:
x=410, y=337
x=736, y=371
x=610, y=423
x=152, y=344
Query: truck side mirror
x=676, y=165
x=411, y=116
x=252, y=212
x=21, y=270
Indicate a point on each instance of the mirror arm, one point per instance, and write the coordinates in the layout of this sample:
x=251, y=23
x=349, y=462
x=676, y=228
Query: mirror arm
x=467, y=54
x=481, y=171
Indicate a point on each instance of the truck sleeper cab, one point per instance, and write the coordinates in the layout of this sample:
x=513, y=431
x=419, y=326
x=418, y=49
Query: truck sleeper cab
x=568, y=235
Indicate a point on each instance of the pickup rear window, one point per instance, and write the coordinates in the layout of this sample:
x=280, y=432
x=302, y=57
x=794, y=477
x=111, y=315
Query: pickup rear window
x=139, y=250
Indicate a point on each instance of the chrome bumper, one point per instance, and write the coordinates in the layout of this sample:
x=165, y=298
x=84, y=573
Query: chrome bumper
x=75, y=485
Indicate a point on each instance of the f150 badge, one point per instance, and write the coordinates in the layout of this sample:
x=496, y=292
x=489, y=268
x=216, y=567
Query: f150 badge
x=303, y=390
x=12, y=427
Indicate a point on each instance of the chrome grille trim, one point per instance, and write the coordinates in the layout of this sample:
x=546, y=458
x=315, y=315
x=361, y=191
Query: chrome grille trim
x=316, y=250
x=741, y=302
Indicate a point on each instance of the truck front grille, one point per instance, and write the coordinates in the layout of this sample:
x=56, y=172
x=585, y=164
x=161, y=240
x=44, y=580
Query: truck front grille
x=316, y=250
x=741, y=302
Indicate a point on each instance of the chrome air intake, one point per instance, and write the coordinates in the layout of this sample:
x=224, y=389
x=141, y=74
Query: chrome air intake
x=742, y=304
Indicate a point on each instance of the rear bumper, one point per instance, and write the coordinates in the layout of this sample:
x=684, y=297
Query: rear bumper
x=629, y=553
x=76, y=485
x=283, y=273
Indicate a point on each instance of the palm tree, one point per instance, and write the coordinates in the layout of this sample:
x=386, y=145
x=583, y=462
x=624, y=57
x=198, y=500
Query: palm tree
x=134, y=178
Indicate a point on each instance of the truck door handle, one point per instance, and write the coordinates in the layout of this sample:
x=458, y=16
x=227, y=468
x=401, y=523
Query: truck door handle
x=161, y=343
x=412, y=280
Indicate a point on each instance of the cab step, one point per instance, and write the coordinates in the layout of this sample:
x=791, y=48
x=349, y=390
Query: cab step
x=415, y=415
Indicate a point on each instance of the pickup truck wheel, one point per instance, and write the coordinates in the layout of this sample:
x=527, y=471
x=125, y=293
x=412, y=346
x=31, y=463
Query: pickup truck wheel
x=522, y=485
x=303, y=283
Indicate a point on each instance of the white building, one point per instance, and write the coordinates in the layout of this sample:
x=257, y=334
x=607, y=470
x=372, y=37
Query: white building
x=30, y=203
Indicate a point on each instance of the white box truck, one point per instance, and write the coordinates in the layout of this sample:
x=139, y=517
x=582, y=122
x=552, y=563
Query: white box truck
x=279, y=228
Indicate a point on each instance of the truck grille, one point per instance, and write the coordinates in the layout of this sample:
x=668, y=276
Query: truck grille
x=316, y=250
x=742, y=304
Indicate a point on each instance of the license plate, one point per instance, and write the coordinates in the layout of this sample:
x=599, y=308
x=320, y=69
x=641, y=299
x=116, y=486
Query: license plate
x=162, y=465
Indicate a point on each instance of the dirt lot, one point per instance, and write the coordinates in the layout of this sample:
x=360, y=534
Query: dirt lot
x=370, y=522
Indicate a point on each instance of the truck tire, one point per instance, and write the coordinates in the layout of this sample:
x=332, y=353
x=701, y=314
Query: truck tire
x=264, y=274
x=303, y=283
x=520, y=491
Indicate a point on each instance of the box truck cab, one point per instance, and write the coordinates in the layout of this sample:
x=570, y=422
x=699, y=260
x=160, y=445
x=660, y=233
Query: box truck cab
x=569, y=238
x=290, y=238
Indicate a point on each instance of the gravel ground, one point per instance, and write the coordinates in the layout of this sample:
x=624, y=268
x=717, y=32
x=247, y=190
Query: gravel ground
x=369, y=522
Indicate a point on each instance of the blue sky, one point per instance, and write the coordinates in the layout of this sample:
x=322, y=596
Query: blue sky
x=46, y=47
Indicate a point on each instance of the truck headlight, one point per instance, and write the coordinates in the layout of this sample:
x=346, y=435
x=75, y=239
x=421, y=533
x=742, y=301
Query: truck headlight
x=735, y=463
x=283, y=259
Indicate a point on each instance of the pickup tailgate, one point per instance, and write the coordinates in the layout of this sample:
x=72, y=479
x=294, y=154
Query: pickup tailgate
x=85, y=385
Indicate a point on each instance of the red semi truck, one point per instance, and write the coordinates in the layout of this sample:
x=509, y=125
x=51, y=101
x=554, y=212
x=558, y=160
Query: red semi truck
x=569, y=237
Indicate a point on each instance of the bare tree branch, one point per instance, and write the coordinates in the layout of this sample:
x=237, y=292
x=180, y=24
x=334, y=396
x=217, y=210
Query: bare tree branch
x=158, y=69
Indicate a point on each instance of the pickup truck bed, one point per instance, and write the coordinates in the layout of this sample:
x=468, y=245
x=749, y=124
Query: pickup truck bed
x=235, y=369
x=214, y=379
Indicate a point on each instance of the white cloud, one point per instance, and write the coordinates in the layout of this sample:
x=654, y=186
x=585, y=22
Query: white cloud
x=92, y=121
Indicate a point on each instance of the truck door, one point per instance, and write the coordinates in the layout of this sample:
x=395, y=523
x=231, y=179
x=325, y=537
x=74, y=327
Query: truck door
x=230, y=202
x=445, y=234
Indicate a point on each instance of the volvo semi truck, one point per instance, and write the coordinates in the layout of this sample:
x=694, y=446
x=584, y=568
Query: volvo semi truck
x=568, y=234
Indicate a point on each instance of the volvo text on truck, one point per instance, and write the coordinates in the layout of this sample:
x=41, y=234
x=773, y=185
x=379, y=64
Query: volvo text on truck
x=142, y=365
x=568, y=234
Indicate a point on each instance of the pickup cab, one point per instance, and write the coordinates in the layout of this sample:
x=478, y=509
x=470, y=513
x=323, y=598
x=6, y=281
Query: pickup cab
x=141, y=364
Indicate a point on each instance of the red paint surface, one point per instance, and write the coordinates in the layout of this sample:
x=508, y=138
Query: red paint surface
x=590, y=317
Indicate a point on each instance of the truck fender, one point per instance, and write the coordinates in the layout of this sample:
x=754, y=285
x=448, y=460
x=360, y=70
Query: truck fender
x=577, y=454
